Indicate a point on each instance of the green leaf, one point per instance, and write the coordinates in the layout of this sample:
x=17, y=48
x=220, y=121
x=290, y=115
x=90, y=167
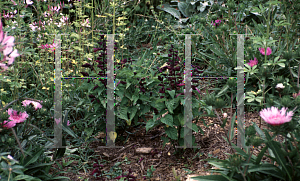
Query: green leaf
x=279, y=155
x=135, y=97
x=75, y=35
x=168, y=120
x=145, y=108
x=250, y=100
x=294, y=74
x=144, y=98
x=172, y=93
x=180, y=117
x=128, y=95
x=171, y=132
x=281, y=64
x=27, y=178
x=210, y=178
x=32, y=159
x=128, y=84
x=195, y=127
x=182, y=6
x=132, y=111
x=123, y=113
x=69, y=131
x=169, y=104
x=165, y=140
x=260, y=155
x=160, y=106
x=169, y=9
x=150, y=123
x=222, y=91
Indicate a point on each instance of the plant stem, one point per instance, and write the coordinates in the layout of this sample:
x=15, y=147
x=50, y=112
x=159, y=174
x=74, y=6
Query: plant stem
x=298, y=76
x=17, y=139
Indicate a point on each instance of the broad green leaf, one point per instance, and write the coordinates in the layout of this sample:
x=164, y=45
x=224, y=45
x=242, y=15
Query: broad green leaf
x=168, y=120
x=123, y=113
x=145, y=108
x=150, y=123
x=169, y=104
x=132, y=111
x=250, y=100
x=182, y=6
x=172, y=93
x=169, y=9
x=135, y=97
x=171, y=132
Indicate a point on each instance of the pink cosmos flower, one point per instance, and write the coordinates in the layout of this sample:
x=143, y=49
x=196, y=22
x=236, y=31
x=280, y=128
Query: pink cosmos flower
x=262, y=51
x=14, y=116
x=275, y=117
x=253, y=62
x=36, y=105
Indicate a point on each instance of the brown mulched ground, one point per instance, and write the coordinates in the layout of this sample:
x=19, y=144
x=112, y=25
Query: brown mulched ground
x=212, y=145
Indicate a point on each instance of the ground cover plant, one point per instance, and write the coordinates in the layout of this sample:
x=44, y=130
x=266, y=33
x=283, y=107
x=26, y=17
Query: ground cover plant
x=149, y=56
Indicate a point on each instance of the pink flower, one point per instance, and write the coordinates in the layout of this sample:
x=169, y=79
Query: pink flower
x=7, y=50
x=51, y=46
x=9, y=124
x=68, y=123
x=217, y=22
x=12, y=57
x=3, y=66
x=295, y=95
x=253, y=62
x=262, y=51
x=17, y=118
x=7, y=40
x=198, y=90
x=275, y=117
x=86, y=23
x=14, y=2
x=36, y=105
x=55, y=8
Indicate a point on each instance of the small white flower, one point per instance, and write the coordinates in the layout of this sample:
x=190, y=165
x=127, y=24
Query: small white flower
x=225, y=115
x=280, y=86
x=10, y=157
x=29, y=2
